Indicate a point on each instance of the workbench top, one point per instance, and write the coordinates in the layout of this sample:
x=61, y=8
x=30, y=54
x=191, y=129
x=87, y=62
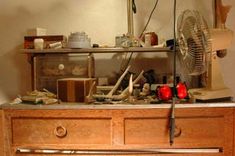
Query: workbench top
x=114, y=106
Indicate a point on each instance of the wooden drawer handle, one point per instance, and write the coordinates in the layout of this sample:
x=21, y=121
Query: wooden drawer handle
x=60, y=131
x=178, y=132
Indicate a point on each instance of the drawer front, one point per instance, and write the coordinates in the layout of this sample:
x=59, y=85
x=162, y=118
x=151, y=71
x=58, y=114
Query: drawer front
x=61, y=131
x=190, y=131
x=121, y=129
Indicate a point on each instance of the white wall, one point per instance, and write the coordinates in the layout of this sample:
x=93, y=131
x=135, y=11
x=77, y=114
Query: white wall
x=102, y=20
x=228, y=63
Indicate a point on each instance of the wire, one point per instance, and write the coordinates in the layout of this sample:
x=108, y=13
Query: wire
x=150, y=16
x=122, y=63
x=174, y=49
x=172, y=117
x=128, y=61
x=146, y=25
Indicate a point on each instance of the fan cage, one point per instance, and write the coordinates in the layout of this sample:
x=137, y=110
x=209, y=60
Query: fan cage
x=194, y=42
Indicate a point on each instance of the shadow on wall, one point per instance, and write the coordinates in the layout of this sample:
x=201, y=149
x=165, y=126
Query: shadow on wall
x=15, y=74
x=14, y=68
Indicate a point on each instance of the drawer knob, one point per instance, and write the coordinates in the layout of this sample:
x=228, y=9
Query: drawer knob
x=61, y=66
x=60, y=131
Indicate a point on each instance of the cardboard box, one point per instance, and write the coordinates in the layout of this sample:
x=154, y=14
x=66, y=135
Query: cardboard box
x=73, y=89
x=37, y=32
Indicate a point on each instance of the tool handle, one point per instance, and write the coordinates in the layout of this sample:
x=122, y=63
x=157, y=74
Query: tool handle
x=172, y=130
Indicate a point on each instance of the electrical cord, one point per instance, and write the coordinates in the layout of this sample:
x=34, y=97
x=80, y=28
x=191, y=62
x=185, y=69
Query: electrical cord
x=150, y=16
x=174, y=49
x=146, y=25
x=172, y=117
x=128, y=61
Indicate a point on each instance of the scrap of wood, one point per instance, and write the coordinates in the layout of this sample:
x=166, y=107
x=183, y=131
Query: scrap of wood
x=221, y=13
x=89, y=97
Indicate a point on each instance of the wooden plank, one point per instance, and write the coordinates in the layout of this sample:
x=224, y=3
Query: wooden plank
x=96, y=50
x=233, y=131
x=1, y=134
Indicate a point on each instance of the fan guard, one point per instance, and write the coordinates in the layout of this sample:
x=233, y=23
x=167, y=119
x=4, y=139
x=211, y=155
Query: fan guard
x=194, y=42
x=198, y=45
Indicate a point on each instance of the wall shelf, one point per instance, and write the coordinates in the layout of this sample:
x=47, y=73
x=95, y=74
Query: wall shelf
x=33, y=54
x=96, y=50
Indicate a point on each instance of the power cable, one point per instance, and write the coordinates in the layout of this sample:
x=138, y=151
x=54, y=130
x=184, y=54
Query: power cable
x=145, y=27
x=150, y=16
x=172, y=117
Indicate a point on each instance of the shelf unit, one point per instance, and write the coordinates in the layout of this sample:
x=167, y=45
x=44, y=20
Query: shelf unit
x=34, y=53
x=96, y=50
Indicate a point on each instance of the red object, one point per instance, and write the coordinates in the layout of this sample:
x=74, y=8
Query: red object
x=164, y=93
x=154, y=38
x=181, y=90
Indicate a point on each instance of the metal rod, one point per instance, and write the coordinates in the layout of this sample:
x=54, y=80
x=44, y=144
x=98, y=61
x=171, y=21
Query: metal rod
x=130, y=23
x=121, y=151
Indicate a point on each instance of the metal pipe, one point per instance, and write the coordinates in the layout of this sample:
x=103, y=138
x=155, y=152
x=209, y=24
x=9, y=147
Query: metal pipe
x=121, y=151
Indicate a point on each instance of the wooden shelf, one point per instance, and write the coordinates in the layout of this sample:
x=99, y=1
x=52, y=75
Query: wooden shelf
x=96, y=50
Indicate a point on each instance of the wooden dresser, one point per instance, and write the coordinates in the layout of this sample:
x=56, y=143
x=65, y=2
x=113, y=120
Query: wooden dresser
x=116, y=130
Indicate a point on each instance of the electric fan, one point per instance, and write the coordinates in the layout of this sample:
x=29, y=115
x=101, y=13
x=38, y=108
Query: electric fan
x=197, y=53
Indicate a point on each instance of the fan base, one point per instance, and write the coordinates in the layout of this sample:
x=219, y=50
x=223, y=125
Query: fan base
x=204, y=94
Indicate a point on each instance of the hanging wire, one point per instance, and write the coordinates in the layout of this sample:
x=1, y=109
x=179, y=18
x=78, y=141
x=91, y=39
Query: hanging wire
x=174, y=49
x=172, y=117
x=145, y=27
x=150, y=16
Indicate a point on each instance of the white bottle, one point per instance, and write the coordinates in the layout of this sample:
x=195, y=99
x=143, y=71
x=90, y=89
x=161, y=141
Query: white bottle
x=147, y=38
x=38, y=43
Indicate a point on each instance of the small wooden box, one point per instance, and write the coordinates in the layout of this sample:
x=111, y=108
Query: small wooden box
x=73, y=89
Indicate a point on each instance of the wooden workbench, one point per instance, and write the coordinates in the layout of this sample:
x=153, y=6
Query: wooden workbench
x=116, y=128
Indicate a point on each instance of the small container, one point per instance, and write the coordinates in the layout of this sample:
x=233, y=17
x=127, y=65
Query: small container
x=118, y=41
x=147, y=39
x=38, y=43
x=37, y=32
x=136, y=90
x=150, y=39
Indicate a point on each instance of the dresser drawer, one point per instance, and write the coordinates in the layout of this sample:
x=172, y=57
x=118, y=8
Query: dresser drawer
x=190, y=131
x=112, y=129
x=27, y=131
